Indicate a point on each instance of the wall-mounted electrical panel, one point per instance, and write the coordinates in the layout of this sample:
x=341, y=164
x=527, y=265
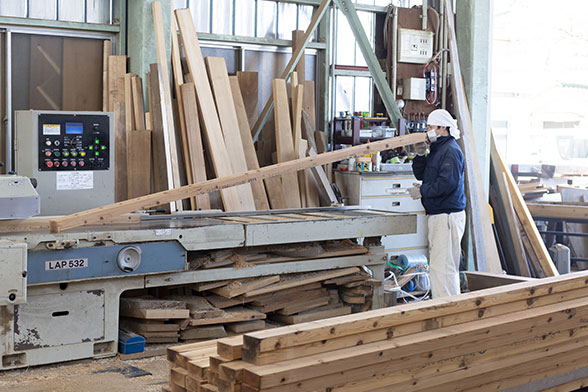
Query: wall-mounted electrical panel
x=414, y=89
x=415, y=46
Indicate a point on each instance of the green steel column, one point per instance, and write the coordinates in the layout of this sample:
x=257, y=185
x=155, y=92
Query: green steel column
x=474, y=39
x=141, y=36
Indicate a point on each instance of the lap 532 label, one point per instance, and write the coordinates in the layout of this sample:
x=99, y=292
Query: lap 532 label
x=53, y=265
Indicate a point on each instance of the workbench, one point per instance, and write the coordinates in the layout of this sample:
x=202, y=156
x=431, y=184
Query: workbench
x=74, y=279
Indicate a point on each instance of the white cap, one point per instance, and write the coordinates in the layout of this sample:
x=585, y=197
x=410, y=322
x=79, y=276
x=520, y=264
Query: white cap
x=442, y=118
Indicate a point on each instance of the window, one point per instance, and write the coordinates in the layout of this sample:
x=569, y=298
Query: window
x=88, y=11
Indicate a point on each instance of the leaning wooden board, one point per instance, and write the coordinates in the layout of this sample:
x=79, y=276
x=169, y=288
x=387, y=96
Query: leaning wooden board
x=212, y=127
x=161, y=198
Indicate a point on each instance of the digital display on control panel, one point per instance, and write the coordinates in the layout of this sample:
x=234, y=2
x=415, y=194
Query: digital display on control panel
x=72, y=142
x=72, y=128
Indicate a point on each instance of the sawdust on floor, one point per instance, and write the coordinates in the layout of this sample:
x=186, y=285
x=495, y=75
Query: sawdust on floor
x=88, y=376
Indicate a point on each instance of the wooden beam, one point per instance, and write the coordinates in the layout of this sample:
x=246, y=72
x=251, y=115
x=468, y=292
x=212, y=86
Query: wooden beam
x=210, y=121
x=160, y=182
x=529, y=227
x=558, y=211
x=297, y=38
x=284, y=142
x=120, y=151
x=484, y=244
x=221, y=87
x=194, y=139
x=325, y=189
x=249, y=88
x=169, y=131
x=485, y=280
x=259, y=195
x=160, y=198
x=117, y=68
x=297, y=95
x=129, y=110
x=139, y=163
x=138, y=107
x=106, y=52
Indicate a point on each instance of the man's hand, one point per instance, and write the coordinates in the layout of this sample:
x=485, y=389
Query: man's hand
x=420, y=148
x=415, y=191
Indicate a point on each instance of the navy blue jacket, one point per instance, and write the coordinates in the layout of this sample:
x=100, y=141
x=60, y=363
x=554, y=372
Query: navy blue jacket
x=442, y=175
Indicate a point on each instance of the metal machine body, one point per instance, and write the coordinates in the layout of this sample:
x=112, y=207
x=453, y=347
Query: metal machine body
x=71, y=156
x=74, y=279
x=18, y=198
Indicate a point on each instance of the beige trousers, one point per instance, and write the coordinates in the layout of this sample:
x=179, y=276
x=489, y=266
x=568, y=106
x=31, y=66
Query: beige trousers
x=445, y=233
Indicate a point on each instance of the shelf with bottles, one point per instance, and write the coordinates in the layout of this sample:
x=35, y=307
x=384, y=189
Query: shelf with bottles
x=360, y=128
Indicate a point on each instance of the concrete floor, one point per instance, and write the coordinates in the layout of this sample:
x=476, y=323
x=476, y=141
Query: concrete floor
x=89, y=376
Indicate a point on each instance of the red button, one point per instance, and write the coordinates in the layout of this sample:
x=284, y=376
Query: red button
x=82, y=163
x=49, y=164
x=56, y=164
x=64, y=164
x=73, y=163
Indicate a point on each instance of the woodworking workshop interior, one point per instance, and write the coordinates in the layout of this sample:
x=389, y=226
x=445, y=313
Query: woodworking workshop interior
x=293, y=195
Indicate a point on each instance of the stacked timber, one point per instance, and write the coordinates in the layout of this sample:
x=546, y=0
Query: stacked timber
x=211, y=310
x=492, y=339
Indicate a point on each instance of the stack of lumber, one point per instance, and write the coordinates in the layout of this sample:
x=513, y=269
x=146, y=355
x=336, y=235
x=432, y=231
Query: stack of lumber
x=211, y=310
x=246, y=257
x=523, y=251
x=492, y=339
x=533, y=189
x=150, y=317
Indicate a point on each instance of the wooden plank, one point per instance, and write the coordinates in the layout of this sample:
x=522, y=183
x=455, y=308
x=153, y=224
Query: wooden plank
x=206, y=332
x=140, y=326
x=178, y=376
x=230, y=348
x=302, y=179
x=249, y=88
x=484, y=280
x=284, y=143
x=178, y=77
x=301, y=280
x=382, y=352
x=194, y=139
x=212, y=127
x=558, y=211
x=239, y=286
x=138, y=163
x=528, y=223
x=309, y=102
x=484, y=244
x=129, y=109
x=298, y=93
x=160, y=198
x=156, y=314
x=81, y=92
x=324, y=187
x=505, y=208
x=390, y=317
x=275, y=192
x=160, y=182
x=169, y=131
x=246, y=326
x=138, y=107
x=120, y=152
x=259, y=195
x=297, y=39
x=219, y=80
x=42, y=223
x=232, y=315
x=106, y=52
x=313, y=315
x=117, y=68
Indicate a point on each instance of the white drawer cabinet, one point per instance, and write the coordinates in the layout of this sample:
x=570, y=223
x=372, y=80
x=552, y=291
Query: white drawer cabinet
x=388, y=191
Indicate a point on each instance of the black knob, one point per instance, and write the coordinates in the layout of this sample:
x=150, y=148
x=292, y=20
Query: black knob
x=34, y=182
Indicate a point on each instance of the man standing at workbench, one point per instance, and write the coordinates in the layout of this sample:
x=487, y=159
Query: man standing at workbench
x=443, y=196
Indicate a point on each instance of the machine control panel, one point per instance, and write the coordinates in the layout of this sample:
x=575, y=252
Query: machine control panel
x=72, y=142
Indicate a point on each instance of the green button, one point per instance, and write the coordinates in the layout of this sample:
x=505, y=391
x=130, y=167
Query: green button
x=96, y=141
x=103, y=147
x=90, y=148
x=75, y=154
x=96, y=153
x=66, y=154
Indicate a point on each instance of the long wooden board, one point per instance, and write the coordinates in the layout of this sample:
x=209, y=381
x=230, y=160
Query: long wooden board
x=259, y=194
x=139, y=163
x=484, y=244
x=129, y=110
x=169, y=130
x=249, y=88
x=120, y=151
x=557, y=210
x=212, y=127
x=194, y=139
x=284, y=142
x=221, y=88
x=138, y=108
x=161, y=198
x=106, y=52
x=160, y=182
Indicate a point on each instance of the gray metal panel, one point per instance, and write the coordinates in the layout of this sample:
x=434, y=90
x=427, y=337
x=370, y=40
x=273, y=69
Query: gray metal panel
x=376, y=258
x=101, y=262
x=287, y=15
x=222, y=17
x=327, y=230
x=245, y=18
x=13, y=8
x=13, y=266
x=179, y=4
x=229, y=54
x=268, y=65
x=43, y=9
x=98, y=11
x=54, y=202
x=71, y=10
x=266, y=19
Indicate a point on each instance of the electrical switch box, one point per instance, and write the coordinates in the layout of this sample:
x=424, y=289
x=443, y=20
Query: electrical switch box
x=414, y=89
x=415, y=46
x=71, y=156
